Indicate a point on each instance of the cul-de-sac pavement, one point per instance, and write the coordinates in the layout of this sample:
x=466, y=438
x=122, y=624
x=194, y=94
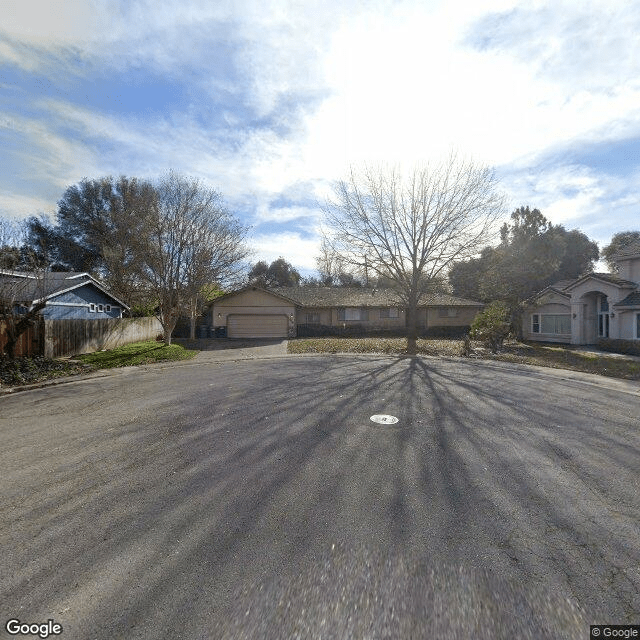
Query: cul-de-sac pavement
x=256, y=499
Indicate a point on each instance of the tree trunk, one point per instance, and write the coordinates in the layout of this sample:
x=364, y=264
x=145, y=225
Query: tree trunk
x=168, y=321
x=412, y=326
x=193, y=308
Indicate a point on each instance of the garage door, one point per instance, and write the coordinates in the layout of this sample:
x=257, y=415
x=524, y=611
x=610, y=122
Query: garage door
x=259, y=326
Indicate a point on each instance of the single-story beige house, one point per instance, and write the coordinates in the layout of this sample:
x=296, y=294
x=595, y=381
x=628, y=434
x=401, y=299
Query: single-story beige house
x=281, y=312
x=596, y=305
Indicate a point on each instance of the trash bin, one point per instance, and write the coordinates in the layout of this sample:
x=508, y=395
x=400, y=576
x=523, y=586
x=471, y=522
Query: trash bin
x=221, y=332
x=202, y=331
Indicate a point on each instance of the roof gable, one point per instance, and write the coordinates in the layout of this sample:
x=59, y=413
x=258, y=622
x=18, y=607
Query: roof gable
x=34, y=288
x=249, y=289
x=603, y=277
x=550, y=291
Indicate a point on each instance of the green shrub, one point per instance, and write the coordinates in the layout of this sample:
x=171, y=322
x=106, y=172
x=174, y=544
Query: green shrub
x=492, y=326
x=629, y=347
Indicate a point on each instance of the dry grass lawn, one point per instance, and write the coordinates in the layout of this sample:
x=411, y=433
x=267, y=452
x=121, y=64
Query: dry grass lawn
x=557, y=357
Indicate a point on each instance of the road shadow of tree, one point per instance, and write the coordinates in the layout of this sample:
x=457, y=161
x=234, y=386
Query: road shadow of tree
x=478, y=487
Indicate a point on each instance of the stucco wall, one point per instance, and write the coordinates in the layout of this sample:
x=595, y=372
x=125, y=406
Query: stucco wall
x=249, y=303
x=627, y=324
x=584, y=306
x=613, y=293
x=463, y=318
x=550, y=308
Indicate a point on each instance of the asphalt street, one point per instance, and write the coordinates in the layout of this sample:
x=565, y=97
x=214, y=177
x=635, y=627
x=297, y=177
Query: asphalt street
x=256, y=499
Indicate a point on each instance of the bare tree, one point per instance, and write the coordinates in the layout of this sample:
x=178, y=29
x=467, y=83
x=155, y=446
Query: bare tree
x=193, y=242
x=327, y=263
x=410, y=229
x=333, y=270
x=12, y=235
x=11, y=231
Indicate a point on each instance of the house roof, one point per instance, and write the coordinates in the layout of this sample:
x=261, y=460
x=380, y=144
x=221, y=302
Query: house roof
x=603, y=277
x=561, y=285
x=557, y=287
x=272, y=292
x=632, y=300
x=31, y=287
x=360, y=297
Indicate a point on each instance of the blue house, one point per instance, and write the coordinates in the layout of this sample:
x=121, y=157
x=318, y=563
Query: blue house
x=67, y=294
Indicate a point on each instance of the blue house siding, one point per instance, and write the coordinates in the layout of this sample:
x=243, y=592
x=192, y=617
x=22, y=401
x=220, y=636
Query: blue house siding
x=76, y=304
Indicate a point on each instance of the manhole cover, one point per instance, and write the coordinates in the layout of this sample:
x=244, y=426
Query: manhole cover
x=382, y=419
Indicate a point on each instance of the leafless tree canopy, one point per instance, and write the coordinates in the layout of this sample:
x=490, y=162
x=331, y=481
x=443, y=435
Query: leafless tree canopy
x=411, y=228
x=194, y=241
x=11, y=232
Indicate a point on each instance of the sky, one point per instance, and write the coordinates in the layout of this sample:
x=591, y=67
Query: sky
x=271, y=101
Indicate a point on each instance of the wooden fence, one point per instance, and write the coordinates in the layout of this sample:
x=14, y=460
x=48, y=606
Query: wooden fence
x=70, y=337
x=30, y=343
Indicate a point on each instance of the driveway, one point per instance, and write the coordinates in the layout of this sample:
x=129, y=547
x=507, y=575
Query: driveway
x=214, y=350
x=256, y=499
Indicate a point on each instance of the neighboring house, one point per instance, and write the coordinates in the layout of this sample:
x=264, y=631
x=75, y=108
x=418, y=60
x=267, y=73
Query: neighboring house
x=596, y=305
x=68, y=294
x=280, y=312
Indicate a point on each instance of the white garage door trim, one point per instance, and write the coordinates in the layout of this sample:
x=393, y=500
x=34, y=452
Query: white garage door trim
x=270, y=325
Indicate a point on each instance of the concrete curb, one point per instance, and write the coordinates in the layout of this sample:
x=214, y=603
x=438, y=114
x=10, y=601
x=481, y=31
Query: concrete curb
x=103, y=373
x=617, y=384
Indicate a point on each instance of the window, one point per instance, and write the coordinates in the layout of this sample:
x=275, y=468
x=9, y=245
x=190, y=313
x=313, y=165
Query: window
x=92, y=307
x=447, y=312
x=603, y=317
x=389, y=313
x=535, y=323
x=108, y=307
x=555, y=323
x=637, y=326
x=100, y=308
x=352, y=314
x=312, y=318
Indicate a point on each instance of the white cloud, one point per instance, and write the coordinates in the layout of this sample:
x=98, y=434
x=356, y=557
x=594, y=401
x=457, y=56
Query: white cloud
x=405, y=87
x=335, y=84
x=578, y=197
x=269, y=213
x=19, y=206
x=299, y=251
x=46, y=155
x=151, y=147
x=46, y=22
